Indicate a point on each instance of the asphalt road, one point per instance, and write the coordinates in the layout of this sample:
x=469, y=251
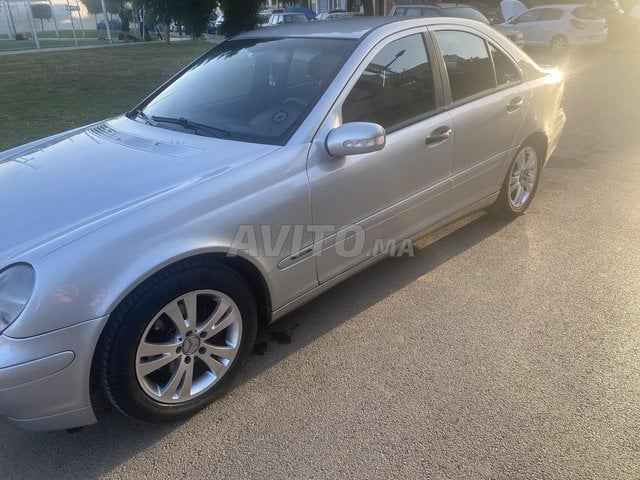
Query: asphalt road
x=502, y=350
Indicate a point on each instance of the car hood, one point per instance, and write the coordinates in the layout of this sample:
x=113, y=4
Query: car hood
x=59, y=187
x=508, y=30
x=511, y=33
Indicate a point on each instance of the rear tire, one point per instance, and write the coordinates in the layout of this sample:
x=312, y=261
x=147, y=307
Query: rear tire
x=559, y=45
x=520, y=183
x=177, y=341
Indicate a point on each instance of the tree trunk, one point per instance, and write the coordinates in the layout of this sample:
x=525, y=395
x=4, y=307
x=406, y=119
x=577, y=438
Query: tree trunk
x=41, y=25
x=167, y=33
x=368, y=7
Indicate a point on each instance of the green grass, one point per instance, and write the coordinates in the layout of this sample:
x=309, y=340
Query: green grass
x=49, y=92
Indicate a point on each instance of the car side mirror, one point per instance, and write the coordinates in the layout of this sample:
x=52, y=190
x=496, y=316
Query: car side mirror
x=355, y=138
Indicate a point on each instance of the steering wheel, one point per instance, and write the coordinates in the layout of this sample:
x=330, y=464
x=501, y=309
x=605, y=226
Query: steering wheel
x=294, y=100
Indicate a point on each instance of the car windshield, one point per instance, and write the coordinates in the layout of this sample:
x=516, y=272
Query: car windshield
x=256, y=90
x=467, y=12
x=295, y=18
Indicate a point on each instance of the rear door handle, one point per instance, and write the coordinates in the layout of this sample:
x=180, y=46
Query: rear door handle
x=515, y=104
x=440, y=134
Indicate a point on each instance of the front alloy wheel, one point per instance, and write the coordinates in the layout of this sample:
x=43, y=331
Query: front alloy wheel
x=188, y=346
x=177, y=341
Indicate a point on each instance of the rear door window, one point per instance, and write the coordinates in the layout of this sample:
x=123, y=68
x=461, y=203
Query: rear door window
x=469, y=66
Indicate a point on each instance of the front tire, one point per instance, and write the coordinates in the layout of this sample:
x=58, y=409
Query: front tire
x=175, y=343
x=520, y=183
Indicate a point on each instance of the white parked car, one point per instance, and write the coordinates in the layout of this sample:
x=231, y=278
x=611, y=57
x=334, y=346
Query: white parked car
x=634, y=15
x=561, y=26
x=287, y=17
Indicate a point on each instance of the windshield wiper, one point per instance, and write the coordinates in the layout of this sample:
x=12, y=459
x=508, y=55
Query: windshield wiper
x=137, y=112
x=199, y=128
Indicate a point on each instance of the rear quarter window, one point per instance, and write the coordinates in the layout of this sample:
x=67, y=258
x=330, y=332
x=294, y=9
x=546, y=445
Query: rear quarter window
x=587, y=12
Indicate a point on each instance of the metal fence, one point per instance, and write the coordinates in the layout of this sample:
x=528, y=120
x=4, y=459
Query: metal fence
x=28, y=24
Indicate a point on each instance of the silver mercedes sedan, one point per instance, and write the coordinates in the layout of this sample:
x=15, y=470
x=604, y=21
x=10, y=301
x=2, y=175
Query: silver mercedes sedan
x=140, y=254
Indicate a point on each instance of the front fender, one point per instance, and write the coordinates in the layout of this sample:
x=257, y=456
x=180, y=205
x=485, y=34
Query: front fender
x=88, y=277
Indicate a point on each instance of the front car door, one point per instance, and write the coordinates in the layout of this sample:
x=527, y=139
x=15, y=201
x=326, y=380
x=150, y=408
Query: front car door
x=489, y=100
x=395, y=192
x=528, y=24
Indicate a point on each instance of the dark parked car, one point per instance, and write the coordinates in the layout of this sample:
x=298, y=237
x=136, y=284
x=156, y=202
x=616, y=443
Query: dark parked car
x=455, y=10
x=113, y=25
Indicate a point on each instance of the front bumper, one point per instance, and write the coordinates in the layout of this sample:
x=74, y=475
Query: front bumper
x=44, y=380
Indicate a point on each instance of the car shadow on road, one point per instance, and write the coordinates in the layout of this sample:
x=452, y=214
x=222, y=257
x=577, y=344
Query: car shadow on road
x=360, y=292
x=116, y=439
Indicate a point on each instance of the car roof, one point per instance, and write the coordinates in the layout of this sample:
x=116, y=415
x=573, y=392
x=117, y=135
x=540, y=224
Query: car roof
x=560, y=6
x=353, y=28
x=441, y=5
x=456, y=5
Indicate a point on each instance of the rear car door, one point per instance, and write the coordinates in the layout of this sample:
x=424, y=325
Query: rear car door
x=488, y=103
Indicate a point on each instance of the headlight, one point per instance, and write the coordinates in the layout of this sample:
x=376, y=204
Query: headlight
x=16, y=287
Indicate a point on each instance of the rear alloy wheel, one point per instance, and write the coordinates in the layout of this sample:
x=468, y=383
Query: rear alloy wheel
x=520, y=184
x=559, y=45
x=174, y=345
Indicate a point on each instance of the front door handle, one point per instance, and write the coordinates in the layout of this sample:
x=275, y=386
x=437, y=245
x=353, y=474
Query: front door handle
x=439, y=135
x=515, y=104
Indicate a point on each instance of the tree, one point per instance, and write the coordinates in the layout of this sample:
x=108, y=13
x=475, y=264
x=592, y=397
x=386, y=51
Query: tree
x=95, y=6
x=239, y=15
x=161, y=11
x=113, y=6
x=194, y=14
x=41, y=11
